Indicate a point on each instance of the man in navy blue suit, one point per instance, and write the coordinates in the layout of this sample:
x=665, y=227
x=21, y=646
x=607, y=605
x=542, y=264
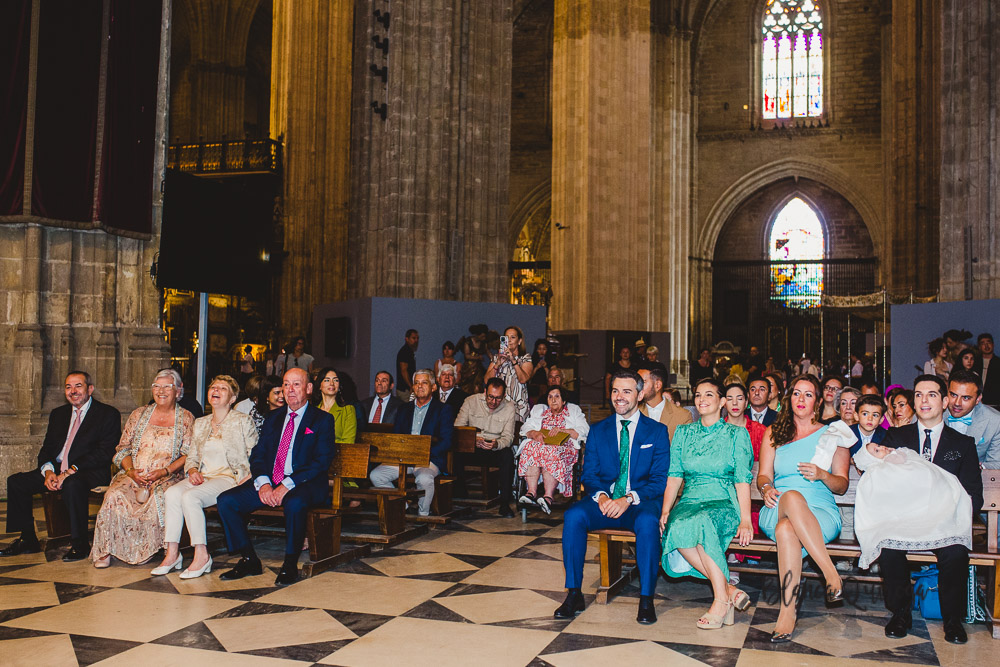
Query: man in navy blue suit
x=425, y=415
x=288, y=469
x=868, y=411
x=760, y=393
x=624, y=476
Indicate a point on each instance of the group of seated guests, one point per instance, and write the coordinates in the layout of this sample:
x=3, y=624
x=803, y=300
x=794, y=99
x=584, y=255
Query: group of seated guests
x=170, y=466
x=634, y=472
x=271, y=450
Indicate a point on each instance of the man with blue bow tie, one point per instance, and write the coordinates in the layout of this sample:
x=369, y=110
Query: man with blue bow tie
x=968, y=414
x=624, y=475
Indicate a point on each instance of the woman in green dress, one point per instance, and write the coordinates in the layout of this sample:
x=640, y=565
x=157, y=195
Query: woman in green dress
x=712, y=459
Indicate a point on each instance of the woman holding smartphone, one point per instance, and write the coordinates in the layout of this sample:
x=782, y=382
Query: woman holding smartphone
x=514, y=367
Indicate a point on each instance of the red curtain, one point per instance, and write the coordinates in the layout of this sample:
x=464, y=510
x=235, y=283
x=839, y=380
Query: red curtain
x=15, y=33
x=69, y=61
x=125, y=198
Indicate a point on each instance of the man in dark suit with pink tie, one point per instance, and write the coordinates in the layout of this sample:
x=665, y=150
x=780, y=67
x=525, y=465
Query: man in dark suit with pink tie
x=288, y=469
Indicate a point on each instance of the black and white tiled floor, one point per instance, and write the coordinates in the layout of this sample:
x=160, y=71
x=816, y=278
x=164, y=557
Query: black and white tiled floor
x=478, y=592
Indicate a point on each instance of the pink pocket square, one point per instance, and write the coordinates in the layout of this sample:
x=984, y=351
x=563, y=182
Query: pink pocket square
x=308, y=430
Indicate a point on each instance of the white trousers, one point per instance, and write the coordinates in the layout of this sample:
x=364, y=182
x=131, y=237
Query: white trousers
x=186, y=502
x=383, y=476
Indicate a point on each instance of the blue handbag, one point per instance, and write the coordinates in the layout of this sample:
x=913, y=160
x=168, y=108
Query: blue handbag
x=925, y=593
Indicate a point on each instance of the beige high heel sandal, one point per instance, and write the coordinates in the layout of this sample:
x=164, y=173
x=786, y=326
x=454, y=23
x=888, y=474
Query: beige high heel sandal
x=740, y=600
x=714, y=621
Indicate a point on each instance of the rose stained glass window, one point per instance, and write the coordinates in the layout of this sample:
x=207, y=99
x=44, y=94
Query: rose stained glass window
x=796, y=235
x=792, y=59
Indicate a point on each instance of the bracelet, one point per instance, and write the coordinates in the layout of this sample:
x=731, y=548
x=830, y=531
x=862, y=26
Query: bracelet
x=764, y=486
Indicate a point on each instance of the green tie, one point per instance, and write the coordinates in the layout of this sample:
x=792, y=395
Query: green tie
x=622, y=481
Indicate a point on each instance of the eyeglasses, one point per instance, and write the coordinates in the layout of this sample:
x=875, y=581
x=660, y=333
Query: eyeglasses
x=157, y=387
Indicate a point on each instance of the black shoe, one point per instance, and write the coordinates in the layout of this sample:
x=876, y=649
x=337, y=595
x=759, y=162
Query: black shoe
x=289, y=574
x=505, y=511
x=571, y=606
x=19, y=546
x=954, y=633
x=781, y=637
x=244, y=568
x=898, y=626
x=75, y=554
x=646, y=615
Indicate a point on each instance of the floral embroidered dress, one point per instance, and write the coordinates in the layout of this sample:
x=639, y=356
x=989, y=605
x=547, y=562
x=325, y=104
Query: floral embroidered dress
x=558, y=461
x=711, y=461
x=127, y=529
x=517, y=391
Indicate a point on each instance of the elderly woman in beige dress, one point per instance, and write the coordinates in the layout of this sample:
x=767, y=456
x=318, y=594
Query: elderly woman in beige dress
x=151, y=455
x=218, y=460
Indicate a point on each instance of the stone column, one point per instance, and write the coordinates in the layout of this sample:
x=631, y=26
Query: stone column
x=311, y=109
x=912, y=139
x=431, y=150
x=603, y=264
x=970, y=142
x=673, y=163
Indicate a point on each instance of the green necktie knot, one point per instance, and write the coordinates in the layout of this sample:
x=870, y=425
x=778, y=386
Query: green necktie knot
x=621, y=484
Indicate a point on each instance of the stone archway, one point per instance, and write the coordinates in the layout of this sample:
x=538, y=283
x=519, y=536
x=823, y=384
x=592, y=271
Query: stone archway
x=530, y=243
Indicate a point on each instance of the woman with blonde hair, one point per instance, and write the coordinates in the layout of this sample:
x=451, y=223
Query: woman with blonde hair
x=218, y=460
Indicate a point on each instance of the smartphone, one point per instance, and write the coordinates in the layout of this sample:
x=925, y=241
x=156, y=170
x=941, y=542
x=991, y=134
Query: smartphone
x=503, y=344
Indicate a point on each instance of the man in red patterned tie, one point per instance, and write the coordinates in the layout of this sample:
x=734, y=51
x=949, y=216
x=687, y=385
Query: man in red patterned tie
x=288, y=469
x=75, y=457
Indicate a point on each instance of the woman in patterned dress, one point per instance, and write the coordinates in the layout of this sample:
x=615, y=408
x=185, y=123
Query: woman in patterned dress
x=553, y=462
x=514, y=367
x=151, y=456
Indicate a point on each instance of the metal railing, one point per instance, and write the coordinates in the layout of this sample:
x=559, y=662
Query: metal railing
x=226, y=157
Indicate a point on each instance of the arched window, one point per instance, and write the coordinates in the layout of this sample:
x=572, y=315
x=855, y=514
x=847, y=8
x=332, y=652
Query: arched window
x=796, y=235
x=792, y=59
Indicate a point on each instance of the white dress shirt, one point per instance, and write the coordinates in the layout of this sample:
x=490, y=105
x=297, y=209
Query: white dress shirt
x=265, y=479
x=632, y=422
x=757, y=416
x=657, y=412
x=72, y=417
x=445, y=394
x=936, y=431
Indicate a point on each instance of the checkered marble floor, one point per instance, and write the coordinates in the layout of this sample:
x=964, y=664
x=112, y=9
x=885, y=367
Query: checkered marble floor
x=480, y=591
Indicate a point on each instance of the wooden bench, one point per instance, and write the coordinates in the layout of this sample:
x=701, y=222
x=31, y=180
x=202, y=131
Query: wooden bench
x=611, y=545
x=463, y=441
x=324, y=525
x=56, y=516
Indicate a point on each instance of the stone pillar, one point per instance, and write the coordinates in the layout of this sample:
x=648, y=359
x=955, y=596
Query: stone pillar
x=912, y=139
x=673, y=163
x=603, y=257
x=970, y=142
x=211, y=90
x=311, y=109
x=431, y=178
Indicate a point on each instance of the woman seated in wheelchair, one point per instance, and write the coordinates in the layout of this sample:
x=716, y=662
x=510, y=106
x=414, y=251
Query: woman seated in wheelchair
x=552, y=436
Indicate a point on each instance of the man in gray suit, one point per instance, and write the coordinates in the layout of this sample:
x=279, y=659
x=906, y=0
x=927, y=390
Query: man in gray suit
x=969, y=415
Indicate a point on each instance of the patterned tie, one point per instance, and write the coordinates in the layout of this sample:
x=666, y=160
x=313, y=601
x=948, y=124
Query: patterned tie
x=64, y=466
x=377, y=419
x=925, y=449
x=623, y=451
x=278, y=473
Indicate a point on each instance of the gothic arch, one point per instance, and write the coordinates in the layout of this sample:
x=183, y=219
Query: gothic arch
x=534, y=209
x=766, y=174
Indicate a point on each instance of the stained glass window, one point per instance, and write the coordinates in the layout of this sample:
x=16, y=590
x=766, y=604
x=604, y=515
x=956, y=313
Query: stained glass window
x=796, y=235
x=792, y=59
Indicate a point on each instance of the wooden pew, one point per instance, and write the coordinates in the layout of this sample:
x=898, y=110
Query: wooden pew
x=614, y=578
x=324, y=525
x=402, y=451
x=464, y=442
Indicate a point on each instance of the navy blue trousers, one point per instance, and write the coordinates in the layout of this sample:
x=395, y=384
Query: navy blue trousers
x=237, y=503
x=643, y=520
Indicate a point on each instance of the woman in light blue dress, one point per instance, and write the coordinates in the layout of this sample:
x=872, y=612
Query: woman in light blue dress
x=800, y=513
